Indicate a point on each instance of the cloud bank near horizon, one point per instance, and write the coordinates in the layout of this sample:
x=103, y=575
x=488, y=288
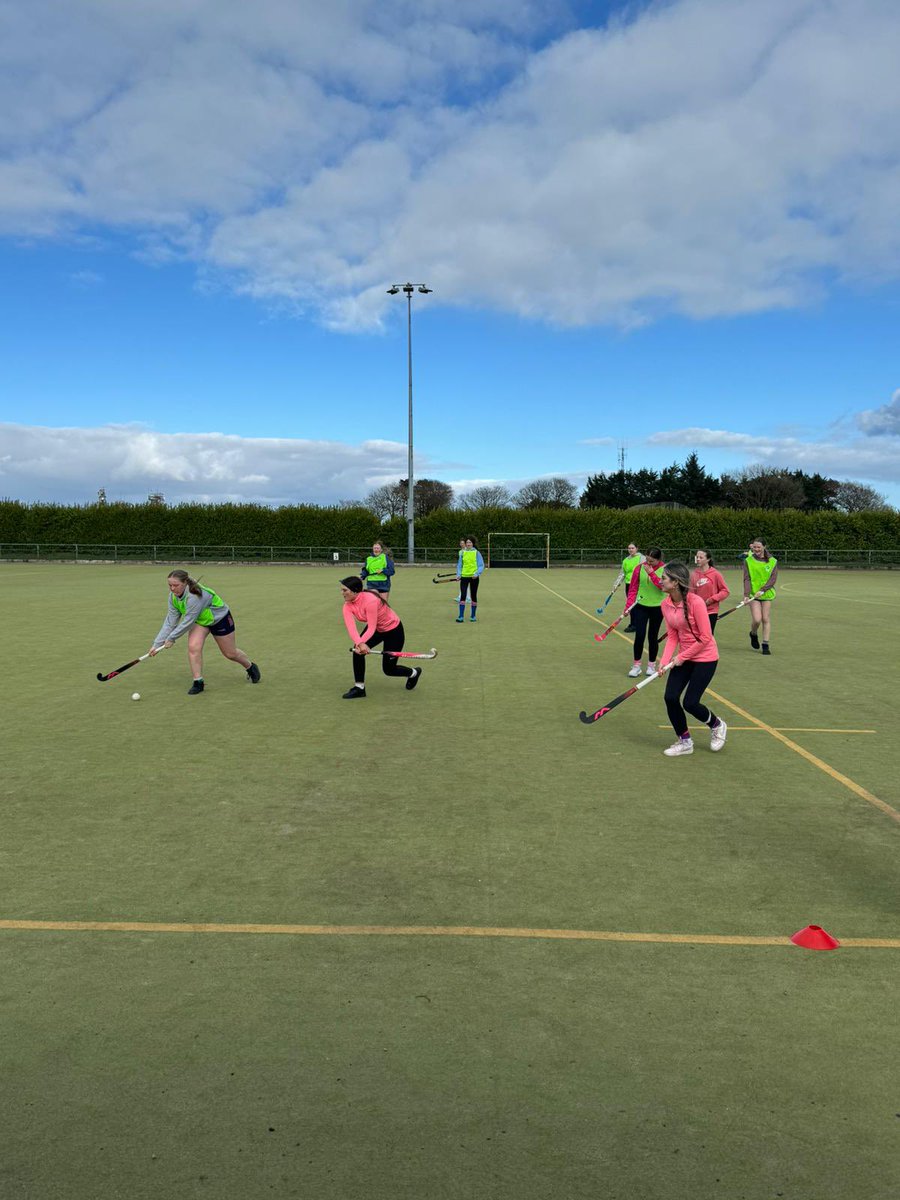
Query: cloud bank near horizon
x=130, y=462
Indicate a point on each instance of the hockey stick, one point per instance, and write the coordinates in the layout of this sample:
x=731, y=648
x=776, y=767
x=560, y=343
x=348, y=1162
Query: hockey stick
x=601, y=637
x=616, y=587
x=444, y=578
x=590, y=718
x=432, y=653
x=756, y=595
x=127, y=667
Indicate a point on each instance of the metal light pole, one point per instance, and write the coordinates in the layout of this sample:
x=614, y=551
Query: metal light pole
x=409, y=288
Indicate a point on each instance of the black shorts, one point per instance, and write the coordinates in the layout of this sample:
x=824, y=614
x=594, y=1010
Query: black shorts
x=223, y=626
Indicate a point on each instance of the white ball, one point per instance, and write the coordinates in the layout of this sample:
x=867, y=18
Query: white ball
x=135, y=695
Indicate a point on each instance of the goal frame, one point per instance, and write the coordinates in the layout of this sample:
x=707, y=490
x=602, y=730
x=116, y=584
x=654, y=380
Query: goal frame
x=509, y=533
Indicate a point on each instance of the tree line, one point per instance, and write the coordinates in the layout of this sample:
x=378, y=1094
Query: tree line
x=681, y=485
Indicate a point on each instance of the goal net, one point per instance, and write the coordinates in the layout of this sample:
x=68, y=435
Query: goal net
x=518, y=549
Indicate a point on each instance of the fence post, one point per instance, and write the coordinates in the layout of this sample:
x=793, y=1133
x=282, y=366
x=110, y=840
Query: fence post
x=76, y=552
x=194, y=548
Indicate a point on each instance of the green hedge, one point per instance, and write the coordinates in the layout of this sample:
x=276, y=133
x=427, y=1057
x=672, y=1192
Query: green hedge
x=575, y=528
x=306, y=524
x=210, y=524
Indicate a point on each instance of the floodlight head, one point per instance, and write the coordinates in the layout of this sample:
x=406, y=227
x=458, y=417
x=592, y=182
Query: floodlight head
x=425, y=290
x=392, y=291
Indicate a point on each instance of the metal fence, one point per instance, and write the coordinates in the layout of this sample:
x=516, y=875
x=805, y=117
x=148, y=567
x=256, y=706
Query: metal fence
x=587, y=556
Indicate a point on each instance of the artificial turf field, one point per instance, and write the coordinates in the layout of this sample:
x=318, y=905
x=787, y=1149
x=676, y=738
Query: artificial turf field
x=469, y=1053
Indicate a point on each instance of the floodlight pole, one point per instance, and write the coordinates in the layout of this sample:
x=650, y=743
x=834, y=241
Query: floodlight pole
x=409, y=288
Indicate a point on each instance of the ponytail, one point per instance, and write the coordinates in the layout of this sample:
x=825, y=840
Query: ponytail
x=680, y=574
x=193, y=586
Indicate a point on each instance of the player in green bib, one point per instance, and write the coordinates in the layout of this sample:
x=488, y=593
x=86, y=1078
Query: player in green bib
x=469, y=566
x=378, y=569
x=197, y=612
x=632, y=557
x=760, y=576
x=644, y=599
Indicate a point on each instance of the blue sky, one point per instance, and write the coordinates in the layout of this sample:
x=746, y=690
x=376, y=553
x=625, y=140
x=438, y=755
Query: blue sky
x=669, y=226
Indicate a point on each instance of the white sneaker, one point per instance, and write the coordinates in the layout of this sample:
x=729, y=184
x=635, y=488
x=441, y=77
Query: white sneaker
x=651, y=668
x=718, y=735
x=682, y=746
x=635, y=671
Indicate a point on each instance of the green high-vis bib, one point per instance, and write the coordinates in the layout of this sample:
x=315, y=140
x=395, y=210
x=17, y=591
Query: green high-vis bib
x=206, y=616
x=375, y=567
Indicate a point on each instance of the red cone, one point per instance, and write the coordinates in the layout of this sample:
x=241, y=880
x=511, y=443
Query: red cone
x=814, y=937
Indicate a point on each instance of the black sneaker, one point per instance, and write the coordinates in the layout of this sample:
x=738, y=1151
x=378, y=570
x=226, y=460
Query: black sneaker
x=754, y=641
x=413, y=679
x=629, y=629
x=196, y=688
x=355, y=693
x=765, y=648
x=253, y=673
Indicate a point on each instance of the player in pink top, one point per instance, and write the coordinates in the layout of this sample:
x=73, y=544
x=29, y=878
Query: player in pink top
x=708, y=584
x=694, y=665
x=381, y=625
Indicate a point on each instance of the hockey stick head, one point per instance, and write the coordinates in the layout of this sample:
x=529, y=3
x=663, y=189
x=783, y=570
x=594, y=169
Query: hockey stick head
x=589, y=719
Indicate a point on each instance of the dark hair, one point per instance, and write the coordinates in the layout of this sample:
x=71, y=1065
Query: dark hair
x=763, y=544
x=655, y=552
x=680, y=573
x=193, y=586
x=709, y=557
x=474, y=541
x=354, y=584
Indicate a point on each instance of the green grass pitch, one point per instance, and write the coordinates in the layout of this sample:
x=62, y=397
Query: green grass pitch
x=152, y=1064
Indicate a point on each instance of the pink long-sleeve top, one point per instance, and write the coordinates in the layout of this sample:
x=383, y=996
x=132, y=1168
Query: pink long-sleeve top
x=710, y=587
x=635, y=583
x=378, y=616
x=694, y=640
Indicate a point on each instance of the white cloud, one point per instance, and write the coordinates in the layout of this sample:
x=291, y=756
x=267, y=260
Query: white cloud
x=707, y=157
x=130, y=462
x=875, y=459
x=884, y=420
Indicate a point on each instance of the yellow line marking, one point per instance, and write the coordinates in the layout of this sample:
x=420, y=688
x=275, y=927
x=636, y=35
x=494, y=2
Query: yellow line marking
x=483, y=931
x=854, y=787
x=780, y=728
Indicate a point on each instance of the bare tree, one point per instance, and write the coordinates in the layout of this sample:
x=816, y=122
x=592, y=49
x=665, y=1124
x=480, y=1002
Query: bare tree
x=387, y=501
x=487, y=496
x=852, y=497
x=763, y=487
x=547, y=493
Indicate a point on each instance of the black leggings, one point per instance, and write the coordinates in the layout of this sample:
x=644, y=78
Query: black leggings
x=393, y=640
x=713, y=617
x=695, y=677
x=465, y=584
x=646, y=619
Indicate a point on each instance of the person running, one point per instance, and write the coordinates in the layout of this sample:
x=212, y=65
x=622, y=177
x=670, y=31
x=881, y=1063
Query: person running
x=381, y=625
x=708, y=584
x=378, y=569
x=760, y=576
x=644, y=600
x=693, y=654
x=469, y=567
x=632, y=557
x=198, y=611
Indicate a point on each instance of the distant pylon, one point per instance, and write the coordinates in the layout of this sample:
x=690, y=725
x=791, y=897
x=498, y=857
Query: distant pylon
x=621, y=456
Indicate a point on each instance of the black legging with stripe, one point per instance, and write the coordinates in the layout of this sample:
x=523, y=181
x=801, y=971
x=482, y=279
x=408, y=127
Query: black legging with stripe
x=692, y=678
x=646, y=619
x=393, y=640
